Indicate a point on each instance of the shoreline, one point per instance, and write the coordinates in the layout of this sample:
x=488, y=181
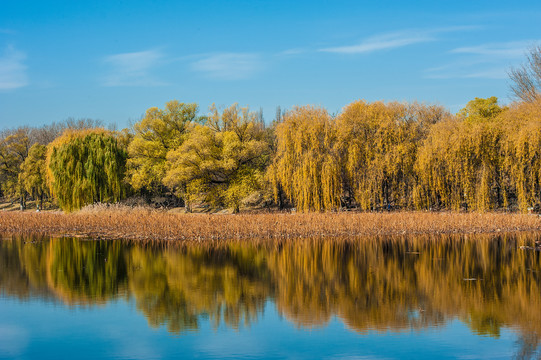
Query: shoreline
x=153, y=225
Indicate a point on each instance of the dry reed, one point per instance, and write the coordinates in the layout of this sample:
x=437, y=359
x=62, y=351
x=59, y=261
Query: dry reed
x=147, y=224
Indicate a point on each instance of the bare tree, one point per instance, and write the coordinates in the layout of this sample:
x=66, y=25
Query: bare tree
x=527, y=78
x=83, y=123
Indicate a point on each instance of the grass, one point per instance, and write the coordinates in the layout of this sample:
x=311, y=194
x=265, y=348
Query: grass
x=140, y=223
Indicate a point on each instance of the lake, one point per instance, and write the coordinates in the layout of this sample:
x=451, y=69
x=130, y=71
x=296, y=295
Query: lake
x=456, y=297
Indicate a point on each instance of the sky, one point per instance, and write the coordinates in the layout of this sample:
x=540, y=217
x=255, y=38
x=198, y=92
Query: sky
x=112, y=60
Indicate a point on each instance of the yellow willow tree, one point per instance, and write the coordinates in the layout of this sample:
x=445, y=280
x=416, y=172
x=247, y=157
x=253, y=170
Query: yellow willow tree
x=159, y=132
x=521, y=152
x=84, y=167
x=306, y=165
x=378, y=146
x=459, y=165
x=221, y=162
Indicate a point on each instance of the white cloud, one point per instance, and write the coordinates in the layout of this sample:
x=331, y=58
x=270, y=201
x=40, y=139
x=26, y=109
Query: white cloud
x=133, y=69
x=12, y=69
x=511, y=49
x=395, y=40
x=492, y=72
x=382, y=42
x=229, y=66
x=485, y=61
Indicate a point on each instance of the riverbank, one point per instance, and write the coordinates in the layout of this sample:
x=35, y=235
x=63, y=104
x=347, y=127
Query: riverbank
x=153, y=225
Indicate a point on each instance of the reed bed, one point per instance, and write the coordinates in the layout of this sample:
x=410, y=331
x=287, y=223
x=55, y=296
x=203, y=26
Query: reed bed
x=146, y=224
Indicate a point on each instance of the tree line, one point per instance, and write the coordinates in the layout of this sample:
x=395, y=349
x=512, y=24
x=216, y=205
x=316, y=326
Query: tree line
x=371, y=156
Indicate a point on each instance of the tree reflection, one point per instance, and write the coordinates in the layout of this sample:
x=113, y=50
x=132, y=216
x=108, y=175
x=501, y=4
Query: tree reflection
x=384, y=284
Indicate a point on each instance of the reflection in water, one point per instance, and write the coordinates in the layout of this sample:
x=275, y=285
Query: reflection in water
x=370, y=284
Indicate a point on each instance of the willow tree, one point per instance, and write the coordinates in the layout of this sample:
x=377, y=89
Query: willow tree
x=306, y=166
x=34, y=173
x=521, y=153
x=378, y=146
x=159, y=132
x=459, y=165
x=85, y=167
x=222, y=161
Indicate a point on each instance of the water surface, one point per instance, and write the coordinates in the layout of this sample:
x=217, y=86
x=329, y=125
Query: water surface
x=378, y=298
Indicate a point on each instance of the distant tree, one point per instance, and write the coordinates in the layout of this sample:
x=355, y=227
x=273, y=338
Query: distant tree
x=33, y=173
x=82, y=123
x=85, y=166
x=526, y=79
x=159, y=132
x=14, y=147
x=278, y=116
x=47, y=133
x=480, y=109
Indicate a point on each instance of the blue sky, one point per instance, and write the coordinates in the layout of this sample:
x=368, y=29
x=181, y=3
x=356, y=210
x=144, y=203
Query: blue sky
x=111, y=60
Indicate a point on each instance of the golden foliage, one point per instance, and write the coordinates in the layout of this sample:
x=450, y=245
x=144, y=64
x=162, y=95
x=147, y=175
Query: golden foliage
x=378, y=143
x=159, y=132
x=221, y=161
x=482, y=162
x=372, y=156
x=305, y=165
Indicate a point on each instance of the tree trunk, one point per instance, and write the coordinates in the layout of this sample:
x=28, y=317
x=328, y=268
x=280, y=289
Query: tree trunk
x=22, y=202
x=280, y=198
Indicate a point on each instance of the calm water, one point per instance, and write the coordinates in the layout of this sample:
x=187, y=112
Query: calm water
x=464, y=297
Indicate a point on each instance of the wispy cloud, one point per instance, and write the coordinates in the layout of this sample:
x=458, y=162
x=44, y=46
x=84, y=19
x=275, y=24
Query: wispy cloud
x=133, y=69
x=229, y=66
x=12, y=69
x=382, y=42
x=7, y=31
x=468, y=72
x=394, y=40
x=511, y=49
x=484, y=61
x=289, y=52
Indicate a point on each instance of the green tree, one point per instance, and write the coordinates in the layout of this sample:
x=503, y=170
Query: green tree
x=222, y=161
x=480, y=109
x=85, y=167
x=34, y=173
x=159, y=132
x=14, y=147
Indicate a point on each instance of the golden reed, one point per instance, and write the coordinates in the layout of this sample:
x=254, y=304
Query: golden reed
x=145, y=224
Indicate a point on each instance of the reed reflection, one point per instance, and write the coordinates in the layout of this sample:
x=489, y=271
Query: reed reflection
x=370, y=284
